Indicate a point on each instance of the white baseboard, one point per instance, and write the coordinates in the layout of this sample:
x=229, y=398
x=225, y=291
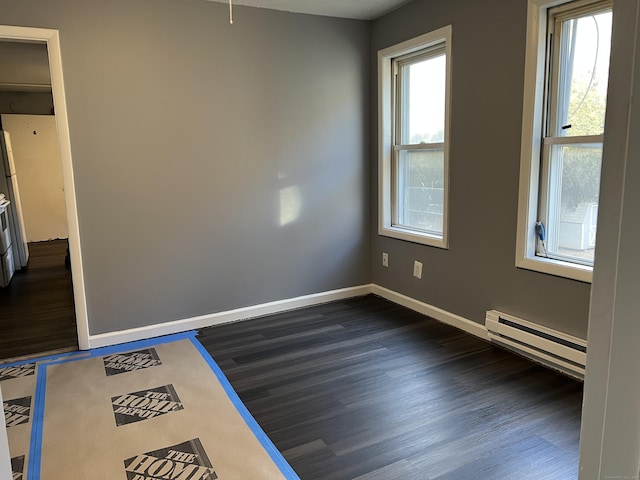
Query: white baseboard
x=474, y=328
x=246, y=313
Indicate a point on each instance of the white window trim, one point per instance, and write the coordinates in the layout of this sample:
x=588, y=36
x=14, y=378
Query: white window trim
x=385, y=136
x=532, y=118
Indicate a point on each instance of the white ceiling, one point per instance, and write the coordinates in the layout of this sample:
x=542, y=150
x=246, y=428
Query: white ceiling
x=358, y=9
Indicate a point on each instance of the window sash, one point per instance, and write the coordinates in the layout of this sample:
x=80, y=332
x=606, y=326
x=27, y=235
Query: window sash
x=550, y=202
x=400, y=122
x=399, y=85
x=556, y=94
x=556, y=90
x=572, y=140
x=420, y=146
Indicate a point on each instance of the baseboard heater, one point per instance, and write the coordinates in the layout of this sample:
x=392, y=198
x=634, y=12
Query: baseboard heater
x=554, y=349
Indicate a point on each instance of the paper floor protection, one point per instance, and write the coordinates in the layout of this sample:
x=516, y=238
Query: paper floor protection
x=150, y=410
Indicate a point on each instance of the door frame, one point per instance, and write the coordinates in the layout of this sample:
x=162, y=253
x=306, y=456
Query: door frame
x=52, y=39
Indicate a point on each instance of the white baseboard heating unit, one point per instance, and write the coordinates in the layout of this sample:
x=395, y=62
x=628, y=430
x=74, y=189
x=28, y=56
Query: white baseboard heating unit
x=554, y=349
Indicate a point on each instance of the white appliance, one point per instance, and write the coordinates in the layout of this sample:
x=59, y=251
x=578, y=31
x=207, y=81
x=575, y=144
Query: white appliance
x=9, y=186
x=7, y=266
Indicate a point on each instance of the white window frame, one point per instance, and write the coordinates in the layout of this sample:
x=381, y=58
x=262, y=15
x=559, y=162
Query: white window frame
x=530, y=155
x=386, y=114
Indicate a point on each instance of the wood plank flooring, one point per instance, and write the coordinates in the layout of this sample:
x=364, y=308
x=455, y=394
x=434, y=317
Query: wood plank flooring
x=365, y=389
x=36, y=309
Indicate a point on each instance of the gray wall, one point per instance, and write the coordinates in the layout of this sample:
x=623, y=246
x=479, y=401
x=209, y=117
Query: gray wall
x=185, y=131
x=478, y=271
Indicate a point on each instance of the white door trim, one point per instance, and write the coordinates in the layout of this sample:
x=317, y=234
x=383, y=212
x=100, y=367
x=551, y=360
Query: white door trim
x=52, y=40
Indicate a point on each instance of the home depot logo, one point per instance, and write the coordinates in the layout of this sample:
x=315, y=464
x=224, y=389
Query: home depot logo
x=19, y=371
x=145, y=404
x=130, y=361
x=17, y=468
x=16, y=412
x=185, y=461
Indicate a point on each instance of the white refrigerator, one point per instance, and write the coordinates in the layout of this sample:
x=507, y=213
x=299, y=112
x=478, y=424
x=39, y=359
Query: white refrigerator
x=9, y=186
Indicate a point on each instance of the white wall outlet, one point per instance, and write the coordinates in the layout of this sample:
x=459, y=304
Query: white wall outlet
x=417, y=269
x=385, y=259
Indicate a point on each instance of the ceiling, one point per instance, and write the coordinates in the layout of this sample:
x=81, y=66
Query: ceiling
x=357, y=9
x=24, y=67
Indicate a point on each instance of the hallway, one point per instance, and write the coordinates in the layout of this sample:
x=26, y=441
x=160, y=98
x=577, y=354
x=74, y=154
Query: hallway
x=36, y=309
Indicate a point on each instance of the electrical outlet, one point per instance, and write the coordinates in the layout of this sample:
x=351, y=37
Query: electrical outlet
x=385, y=259
x=417, y=269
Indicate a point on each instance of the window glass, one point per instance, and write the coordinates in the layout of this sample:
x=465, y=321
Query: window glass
x=423, y=100
x=421, y=183
x=573, y=201
x=584, y=69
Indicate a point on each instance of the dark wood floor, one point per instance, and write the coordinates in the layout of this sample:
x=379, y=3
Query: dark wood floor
x=365, y=389
x=36, y=309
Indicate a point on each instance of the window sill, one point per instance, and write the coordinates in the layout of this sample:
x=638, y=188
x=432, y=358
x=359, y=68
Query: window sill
x=573, y=271
x=413, y=236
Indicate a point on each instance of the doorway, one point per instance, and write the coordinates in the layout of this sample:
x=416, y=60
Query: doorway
x=72, y=257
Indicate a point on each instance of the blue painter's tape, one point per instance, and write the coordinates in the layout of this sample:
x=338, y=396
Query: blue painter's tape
x=48, y=358
x=126, y=347
x=122, y=347
x=37, y=422
x=149, y=342
x=266, y=443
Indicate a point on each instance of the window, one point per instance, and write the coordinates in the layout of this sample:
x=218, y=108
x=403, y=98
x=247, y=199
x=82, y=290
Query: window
x=566, y=78
x=414, y=79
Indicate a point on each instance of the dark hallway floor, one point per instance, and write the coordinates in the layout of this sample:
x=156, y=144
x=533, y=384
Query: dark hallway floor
x=36, y=309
